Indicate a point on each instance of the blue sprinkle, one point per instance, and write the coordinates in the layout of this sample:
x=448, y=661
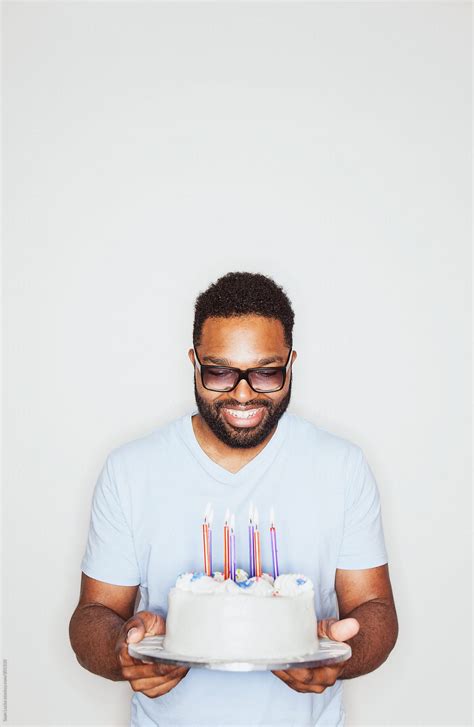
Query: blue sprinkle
x=300, y=581
x=244, y=584
x=197, y=576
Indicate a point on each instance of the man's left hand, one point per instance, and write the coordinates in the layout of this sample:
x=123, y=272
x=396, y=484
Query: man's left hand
x=319, y=678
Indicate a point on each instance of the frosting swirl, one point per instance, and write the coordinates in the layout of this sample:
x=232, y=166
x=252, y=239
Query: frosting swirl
x=292, y=584
x=286, y=585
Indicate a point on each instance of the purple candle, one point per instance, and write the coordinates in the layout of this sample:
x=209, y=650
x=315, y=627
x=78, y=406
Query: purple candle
x=276, y=571
x=251, y=544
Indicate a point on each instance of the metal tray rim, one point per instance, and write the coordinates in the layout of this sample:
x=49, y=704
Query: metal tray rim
x=330, y=652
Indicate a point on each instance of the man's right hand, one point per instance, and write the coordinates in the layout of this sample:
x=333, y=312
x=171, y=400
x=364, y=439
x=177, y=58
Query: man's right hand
x=150, y=678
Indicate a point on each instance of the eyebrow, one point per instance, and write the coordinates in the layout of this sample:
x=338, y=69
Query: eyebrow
x=261, y=362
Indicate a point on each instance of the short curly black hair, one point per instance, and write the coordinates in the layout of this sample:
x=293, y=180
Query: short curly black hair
x=240, y=294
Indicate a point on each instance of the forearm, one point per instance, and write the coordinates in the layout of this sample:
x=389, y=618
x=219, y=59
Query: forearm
x=375, y=640
x=93, y=633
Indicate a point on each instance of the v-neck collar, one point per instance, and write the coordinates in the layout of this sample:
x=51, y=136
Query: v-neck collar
x=256, y=465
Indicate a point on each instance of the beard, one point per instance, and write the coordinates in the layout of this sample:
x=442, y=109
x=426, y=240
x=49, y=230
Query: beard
x=242, y=437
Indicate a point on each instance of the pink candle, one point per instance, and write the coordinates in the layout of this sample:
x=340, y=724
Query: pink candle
x=276, y=570
x=251, y=543
x=256, y=538
x=210, y=519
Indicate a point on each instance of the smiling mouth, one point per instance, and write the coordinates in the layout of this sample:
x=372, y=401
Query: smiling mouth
x=244, y=417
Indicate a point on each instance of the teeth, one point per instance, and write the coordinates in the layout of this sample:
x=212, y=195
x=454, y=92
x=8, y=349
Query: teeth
x=242, y=414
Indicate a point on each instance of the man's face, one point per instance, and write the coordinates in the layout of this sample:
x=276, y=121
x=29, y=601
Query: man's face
x=242, y=342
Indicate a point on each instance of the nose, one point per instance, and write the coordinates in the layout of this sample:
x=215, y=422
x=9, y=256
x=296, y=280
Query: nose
x=243, y=392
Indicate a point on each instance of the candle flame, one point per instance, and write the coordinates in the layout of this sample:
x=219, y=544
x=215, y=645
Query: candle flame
x=210, y=517
x=206, y=514
x=227, y=516
x=255, y=516
x=232, y=522
x=272, y=517
x=251, y=513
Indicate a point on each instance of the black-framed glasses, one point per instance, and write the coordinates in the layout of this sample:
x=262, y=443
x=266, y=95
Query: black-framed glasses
x=263, y=380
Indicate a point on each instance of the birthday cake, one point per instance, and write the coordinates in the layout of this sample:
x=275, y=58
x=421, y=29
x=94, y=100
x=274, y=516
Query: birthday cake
x=242, y=618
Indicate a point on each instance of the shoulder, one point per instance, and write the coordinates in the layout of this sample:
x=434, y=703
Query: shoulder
x=307, y=434
x=149, y=446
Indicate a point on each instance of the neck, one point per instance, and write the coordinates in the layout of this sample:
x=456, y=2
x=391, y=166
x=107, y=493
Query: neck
x=231, y=458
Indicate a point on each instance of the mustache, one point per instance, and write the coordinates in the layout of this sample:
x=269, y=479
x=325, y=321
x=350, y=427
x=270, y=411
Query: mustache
x=238, y=404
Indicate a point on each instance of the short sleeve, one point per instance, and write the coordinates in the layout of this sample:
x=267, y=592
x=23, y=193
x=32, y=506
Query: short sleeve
x=110, y=552
x=363, y=543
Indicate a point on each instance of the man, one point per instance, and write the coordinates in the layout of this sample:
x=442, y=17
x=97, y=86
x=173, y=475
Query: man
x=240, y=445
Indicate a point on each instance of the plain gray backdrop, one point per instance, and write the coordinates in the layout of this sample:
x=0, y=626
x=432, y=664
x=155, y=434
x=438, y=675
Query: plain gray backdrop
x=150, y=148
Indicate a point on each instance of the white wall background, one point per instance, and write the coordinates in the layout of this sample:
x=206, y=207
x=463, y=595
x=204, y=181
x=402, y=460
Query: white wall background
x=152, y=147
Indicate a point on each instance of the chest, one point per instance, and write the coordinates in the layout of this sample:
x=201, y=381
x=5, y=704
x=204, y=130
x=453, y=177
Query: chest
x=168, y=508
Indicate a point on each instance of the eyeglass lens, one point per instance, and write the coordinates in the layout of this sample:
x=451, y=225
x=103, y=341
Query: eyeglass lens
x=225, y=380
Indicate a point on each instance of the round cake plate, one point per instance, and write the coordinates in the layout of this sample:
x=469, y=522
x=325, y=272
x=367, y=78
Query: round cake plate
x=329, y=652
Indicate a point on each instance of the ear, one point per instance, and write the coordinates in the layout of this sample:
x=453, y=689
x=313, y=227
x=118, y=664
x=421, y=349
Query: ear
x=293, y=357
x=191, y=356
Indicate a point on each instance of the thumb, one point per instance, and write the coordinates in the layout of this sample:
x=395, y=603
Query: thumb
x=144, y=623
x=336, y=630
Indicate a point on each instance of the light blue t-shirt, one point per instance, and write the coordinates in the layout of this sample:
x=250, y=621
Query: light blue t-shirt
x=145, y=529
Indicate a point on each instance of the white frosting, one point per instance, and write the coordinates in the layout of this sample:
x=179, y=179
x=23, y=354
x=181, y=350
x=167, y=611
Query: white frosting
x=257, y=587
x=292, y=584
x=247, y=619
x=230, y=586
x=196, y=583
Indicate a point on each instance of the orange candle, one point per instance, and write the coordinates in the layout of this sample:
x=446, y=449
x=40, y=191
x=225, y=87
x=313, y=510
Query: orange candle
x=209, y=538
x=205, y=542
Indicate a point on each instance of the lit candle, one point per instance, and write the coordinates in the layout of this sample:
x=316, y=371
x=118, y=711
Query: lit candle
x=226, y=545
x=210, y=519
x=232, y=547
x=205, y=542
x=251, y=543
x=257, y=552
x=276, y=570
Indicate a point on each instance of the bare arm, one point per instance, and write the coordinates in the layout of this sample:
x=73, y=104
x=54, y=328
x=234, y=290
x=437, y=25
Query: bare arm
x=366, y=595
x=96, y=623
x=368, y=622
x=102, y=627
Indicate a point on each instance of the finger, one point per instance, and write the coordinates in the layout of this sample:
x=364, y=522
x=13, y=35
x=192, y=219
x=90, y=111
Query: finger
x=123, y=656
x=151, y=671
x=304, y=676
x=324, y=626
x=283, y=675
x=168, y=669
x=301, y=687
x=309, y=679
x=344, y=630
x=160, y=691
x=155, y=687
x=286, y=678
x=144, y=623
x=322, y=676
